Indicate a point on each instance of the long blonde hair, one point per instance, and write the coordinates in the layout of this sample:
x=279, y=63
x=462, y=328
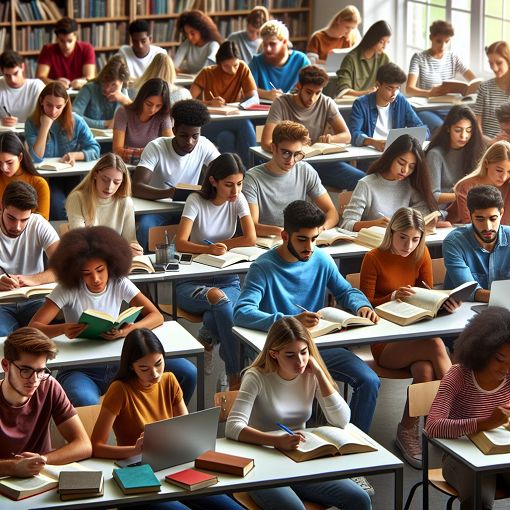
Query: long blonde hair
x=348, y=13
x=162, y=66
x=87, y=187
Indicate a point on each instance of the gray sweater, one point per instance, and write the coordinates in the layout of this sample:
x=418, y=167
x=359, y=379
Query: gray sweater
x=445, y=169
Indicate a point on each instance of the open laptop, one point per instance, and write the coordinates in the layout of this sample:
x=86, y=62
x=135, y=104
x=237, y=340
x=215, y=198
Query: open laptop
x=419, y=132
x=500, y=290
x=167, y=443
x=335, y=58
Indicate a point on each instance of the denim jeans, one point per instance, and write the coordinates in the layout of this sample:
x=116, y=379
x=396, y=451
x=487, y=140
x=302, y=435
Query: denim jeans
x=60, y=189
x=216, y=502
x=147, y=221
x=345, y=366
x=84, y=386
x=434, y=119
x=17, y=315
x=339, y=174
x=218, y=318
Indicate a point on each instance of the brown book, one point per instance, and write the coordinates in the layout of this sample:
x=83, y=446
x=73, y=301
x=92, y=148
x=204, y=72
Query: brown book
x=141, y=264
x=333, y=235
x=319, y=148
x=78, y=482
x=493, y=441
x=224, y=110
x=224, y=463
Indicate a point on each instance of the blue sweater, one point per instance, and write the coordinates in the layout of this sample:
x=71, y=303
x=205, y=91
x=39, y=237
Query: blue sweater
x=273, y=287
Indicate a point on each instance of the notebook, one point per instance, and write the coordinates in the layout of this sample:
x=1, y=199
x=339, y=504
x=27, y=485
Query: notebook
x=420, y=133
x=500, y=290
x=335, y=58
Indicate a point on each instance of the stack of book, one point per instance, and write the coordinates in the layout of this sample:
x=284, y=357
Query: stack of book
x=78, y=485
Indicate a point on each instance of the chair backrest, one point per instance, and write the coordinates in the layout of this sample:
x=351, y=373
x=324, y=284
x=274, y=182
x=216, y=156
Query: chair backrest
x=353, y=279
x=63, y=229
x=344, y=197
x=421, y=396
x=225, y=400
x=88, y=416
x=438, y=271
x=157, y=235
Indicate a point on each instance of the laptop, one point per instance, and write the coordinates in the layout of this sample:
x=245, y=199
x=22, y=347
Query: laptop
x=167, y=443
x=419, y=132
x=335, y=58
x=500, y=290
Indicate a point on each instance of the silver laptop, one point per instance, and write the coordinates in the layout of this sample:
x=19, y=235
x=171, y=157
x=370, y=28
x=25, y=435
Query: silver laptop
x=167, y=443
x=335, y=58
x=500, y=290
x=419, y=132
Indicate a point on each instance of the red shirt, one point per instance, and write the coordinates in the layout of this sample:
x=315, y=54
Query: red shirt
x=70, y=67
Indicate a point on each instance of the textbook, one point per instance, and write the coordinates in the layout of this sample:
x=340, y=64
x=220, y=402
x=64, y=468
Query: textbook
x=141, y=264
x=8, y=296
x=334, y=319
x=268, y=241
x=136, y=479
x=371, y=237
x=106, y=132
x=101, y=322
x=333, y=235
x=53, y=165
x=328, y=441
x=224, y=463
x=346, y=99
x=319, y=148
x=224, y=110
x=424, y=303
x=462, y=87
x=191, y=479
x=77, y=485
x=492, y=441
x=183, y=191
x=240, y=254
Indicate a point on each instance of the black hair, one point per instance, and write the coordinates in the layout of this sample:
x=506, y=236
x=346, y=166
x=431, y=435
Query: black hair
x=190, y=112
x=152, y=87
x=484, y=197
x=390, y=73
x=220, y=168
x=302, y=214
x=10, y=59
x=21, y=195
x=226, y=51
x=201, y=22
x=374, y=34
x=66, y=26
x=10, y=143
x=138, y=26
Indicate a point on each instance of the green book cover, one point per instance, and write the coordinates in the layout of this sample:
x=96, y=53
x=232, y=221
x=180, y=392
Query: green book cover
x=136, y=479
x=100, y=322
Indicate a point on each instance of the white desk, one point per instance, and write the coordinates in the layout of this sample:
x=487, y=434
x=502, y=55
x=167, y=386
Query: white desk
x=422, y=104
x=163, y=205
x=185, y=80
x=243, y=114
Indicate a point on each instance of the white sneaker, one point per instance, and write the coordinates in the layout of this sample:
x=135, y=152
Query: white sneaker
x=364, y=484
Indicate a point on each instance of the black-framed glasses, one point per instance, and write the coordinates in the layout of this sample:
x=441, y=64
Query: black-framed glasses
x=40, y=373
x=286, y=155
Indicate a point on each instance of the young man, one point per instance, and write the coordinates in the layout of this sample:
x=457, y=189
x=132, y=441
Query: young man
x=276, y=69
x=281, y=279
x=69, y=61
x=318, y=113
x=375, y=114
x=29, y=398
x=479, y=251
x=269, y=187
x=141, y=52
x=24, y=238
x=248, y=41
x=18, y=95
x=503, y=116
x=167, y=161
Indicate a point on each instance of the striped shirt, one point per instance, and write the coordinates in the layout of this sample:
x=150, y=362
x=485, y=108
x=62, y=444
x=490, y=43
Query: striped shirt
x=433, y=71
x=490, y=97
x=460, y=403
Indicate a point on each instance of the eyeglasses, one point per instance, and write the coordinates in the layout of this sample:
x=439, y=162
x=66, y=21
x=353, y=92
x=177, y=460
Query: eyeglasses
x=40, y=373
x=287, y=155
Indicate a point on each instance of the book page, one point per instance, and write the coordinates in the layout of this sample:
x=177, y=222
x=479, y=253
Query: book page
x=96, y=313
x=400, y=308
x=249, y=251
x=335, y=314
x=312, y=442
x=499, y=436
x=33, y=482
x=427, y=299
x=336, y=436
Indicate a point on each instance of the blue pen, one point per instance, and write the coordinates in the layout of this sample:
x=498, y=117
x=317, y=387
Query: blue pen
x=206, y=241
x=285, y=429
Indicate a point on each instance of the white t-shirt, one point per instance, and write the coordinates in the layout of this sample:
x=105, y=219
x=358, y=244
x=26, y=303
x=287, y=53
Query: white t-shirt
x=214, y=222
x=135, y=64
x=168, y=168
x=73, y=302
x=383, y=124
x=24, y=254
x=20, y=102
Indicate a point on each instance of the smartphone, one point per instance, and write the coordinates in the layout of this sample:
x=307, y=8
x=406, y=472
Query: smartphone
x=169, y=266
x=186, y=258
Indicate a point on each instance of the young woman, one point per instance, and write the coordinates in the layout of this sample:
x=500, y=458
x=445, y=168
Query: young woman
x=496, y=91
x=280, y=387
x=16, y=165
x=342, y=32
x=388, y=273
x=98, y=99
x=473, y=396
x=454, y=152
x=228, y=81
x=494, y=170
x=201, y=42
x=208, y=225
x=53, y=130
x=148, y=117
x=91, y=265
x=400, y=177
x=103, y=197
x=142, y=393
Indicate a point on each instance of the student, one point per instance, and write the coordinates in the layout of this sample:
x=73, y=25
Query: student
x=229, y=81
x=98, y=99
x=201, y=42
x=212, y=215
x=398, y=178
x=18, y=94
x=479, y=251
x=146, y=118
x=280, y=387
x=271, y=186
x=341, y=32
x=282, y=278
x=503, y=117
x=357, y=74
x=387, y=274
x=69, y=61
x=453, y=152
x=91, y=265
x=24, y=238
x=16, y=165
x=166, y=162
x=496, y=91
x=276, y=69
x=141, y=393
x=248, y=41
x=103, y=197
x=29, y=399
x=472, y=397
x=320, y=115
x=492, y=169
x=141, y=52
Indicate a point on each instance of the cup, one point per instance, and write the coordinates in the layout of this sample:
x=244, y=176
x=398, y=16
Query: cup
x=164, y=254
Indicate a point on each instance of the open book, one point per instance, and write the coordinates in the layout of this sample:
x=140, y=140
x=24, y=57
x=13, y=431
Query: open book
x=183, y=190
x=492, y=441
x=240, y=254
x=224, y=110
x=422, y=304
x=329, y=441
x=269, y=241
x=464, y=88
x=141, y=264
x=9, y=296
x=101, y=322
x=334, y=319
x=345, y=99
x=319, y=148
x=54, y=165
x=332, y=235
x=106, y=132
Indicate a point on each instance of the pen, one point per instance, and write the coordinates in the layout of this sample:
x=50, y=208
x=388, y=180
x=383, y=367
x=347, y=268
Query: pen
x=301, y=307
x=381, y=214
x=206, y=241
x=6, y=111
x=285, y=429
x=274, y=88
x=425, y=285
x=166, y=237
x=5, y=272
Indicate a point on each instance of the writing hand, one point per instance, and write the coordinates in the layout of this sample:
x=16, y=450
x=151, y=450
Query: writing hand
x=289, y=442
x=9, y=283
x=9, y=121
x=308, y=319
x=217, y=249
x=29, y=464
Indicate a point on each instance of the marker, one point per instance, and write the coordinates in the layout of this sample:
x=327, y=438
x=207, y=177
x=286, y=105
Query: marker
x=285, y=429
x=206, y=241
x=6, y=111
x=5, y=272
x=301, y=307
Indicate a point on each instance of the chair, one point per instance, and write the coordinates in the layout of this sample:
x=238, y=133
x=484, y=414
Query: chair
x=344, y=197
x=88, y=416
x=438, y=272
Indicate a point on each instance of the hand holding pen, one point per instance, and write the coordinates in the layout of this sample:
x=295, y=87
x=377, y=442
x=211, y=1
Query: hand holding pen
x=216, y=248
x=7, y=281
x=274, y=92
x=10, y=120
x=290, y=440
x=307, y=318
x=216, y=100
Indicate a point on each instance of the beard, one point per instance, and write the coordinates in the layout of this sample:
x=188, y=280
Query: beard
x=295, y=254
x=479, y=233
x=276, y=58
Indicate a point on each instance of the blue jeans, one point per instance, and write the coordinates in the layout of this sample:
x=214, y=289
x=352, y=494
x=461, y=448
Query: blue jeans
x=60, y=188
x=147, y=221
x=17, y=315
x=84, y=386
x=218, y=318
x=344, y=494
x=216, y=502
x=345, y=366
x=434, y=119
x=338, y=174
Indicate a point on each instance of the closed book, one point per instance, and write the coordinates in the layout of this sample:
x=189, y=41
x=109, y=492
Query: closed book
x=493, y=441
x=224, y=463
x=80, y=482
x=136, y=479
x=101, y=322
x=191, y=479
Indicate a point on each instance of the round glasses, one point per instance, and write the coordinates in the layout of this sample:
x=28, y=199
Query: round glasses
x=26, y=372
x=287, y=155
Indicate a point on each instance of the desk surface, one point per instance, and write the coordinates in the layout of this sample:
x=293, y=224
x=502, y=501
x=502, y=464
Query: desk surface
x=79, y=168
x=164, y=205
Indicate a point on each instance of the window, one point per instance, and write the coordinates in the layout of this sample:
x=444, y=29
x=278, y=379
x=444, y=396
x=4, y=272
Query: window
x=496, y=24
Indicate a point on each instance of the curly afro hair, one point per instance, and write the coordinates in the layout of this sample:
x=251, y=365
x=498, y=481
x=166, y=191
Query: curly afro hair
x=82, y=244
x=190, y=112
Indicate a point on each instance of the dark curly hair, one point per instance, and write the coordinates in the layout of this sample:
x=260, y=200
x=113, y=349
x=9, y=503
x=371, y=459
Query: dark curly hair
x=484, y=335
x=190, y=112
x=202, y=23
x=82, y=244
x=302, y=214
